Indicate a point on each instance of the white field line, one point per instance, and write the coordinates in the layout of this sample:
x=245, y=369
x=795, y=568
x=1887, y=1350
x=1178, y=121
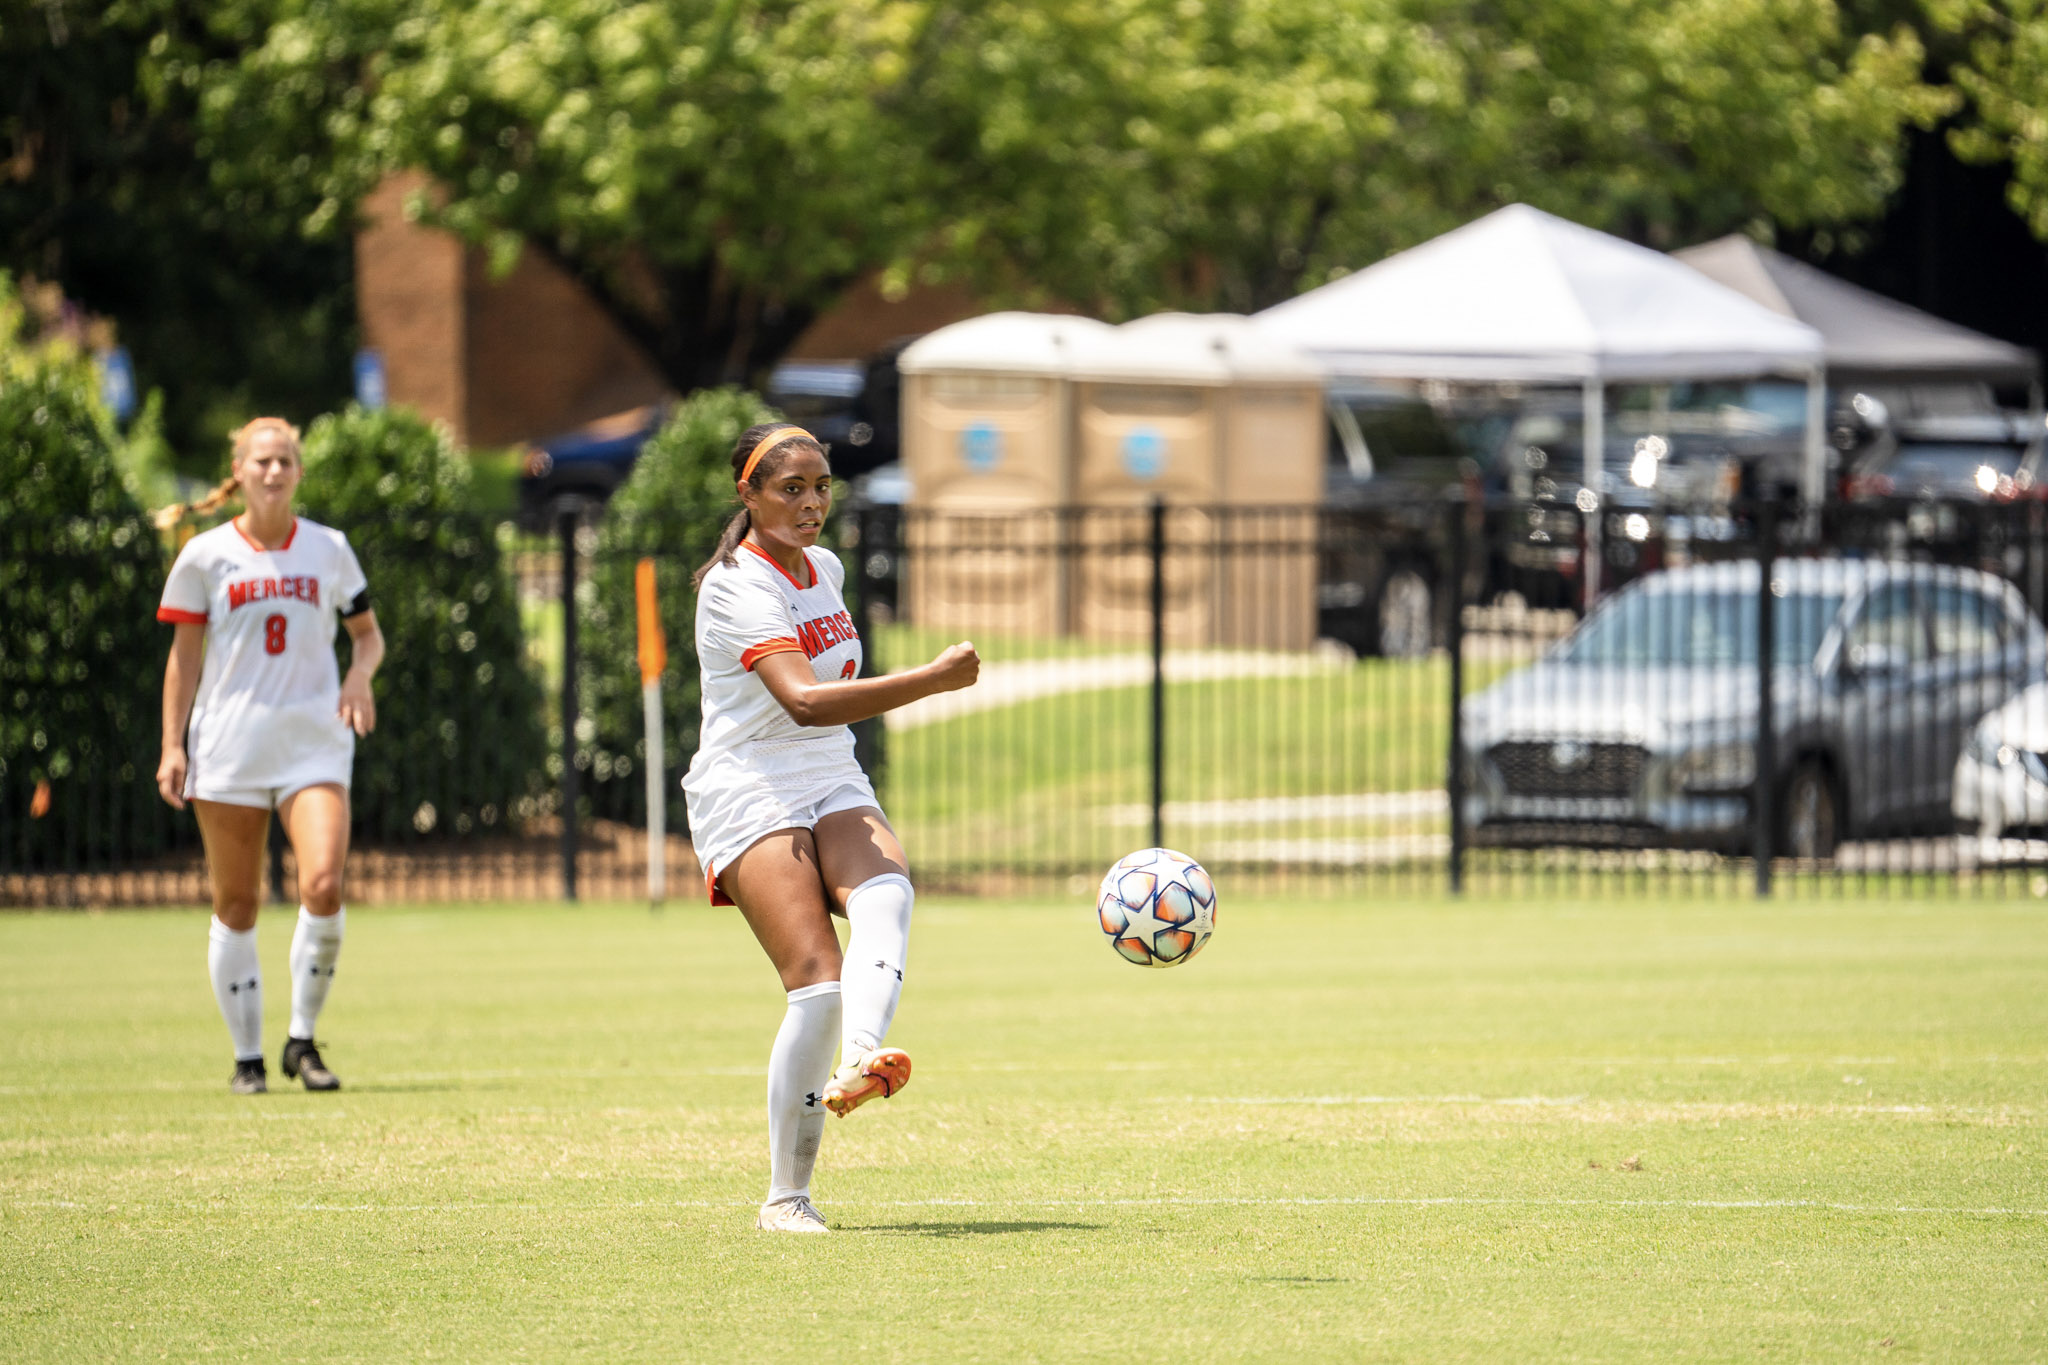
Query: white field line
x=1158, y=1201
x=1277, y=810
x=1012, y=681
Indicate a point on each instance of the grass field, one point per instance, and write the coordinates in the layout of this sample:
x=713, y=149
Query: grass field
x=1535, y=1131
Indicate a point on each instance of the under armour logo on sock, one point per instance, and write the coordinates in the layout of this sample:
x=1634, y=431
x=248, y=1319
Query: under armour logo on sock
x=812, y=1100
x=887, y=968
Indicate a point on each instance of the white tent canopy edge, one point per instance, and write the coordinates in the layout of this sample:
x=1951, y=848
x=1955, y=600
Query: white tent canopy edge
x=1522, y=296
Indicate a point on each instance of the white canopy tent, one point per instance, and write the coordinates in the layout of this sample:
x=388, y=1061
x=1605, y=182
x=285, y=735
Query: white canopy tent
x=1523, y=296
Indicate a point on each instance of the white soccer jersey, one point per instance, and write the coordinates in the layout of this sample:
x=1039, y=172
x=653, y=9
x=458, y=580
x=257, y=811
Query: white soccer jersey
x=745, y=613
x=265, y=712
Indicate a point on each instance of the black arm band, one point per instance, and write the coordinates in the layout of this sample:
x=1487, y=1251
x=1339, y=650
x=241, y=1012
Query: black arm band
x=357, y=607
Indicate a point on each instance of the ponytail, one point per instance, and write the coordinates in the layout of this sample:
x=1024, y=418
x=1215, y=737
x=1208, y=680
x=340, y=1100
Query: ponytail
x=728, y=541
x=243, y=437
x=168, y=517
x=755, y=458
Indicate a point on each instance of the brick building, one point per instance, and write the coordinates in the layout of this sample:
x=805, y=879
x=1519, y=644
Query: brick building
x=530, y=355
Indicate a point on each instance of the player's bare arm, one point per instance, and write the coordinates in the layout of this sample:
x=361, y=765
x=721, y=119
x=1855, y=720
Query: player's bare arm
x=789, y=679
x=358, y=709
x=181, y=683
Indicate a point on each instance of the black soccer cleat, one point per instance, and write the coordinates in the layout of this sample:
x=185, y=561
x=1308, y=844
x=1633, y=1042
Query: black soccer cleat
x=301, y=1060
x=249, y=1078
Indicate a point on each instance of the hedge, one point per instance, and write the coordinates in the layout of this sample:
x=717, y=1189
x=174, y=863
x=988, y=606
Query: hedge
x=460, y=745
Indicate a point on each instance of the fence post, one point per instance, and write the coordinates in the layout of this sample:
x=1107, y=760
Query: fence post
x=1454, y=640
x=565, y=526
x=1766, y=724
x=1158, y=549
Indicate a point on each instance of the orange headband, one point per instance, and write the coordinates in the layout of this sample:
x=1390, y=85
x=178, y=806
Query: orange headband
x=769, y=442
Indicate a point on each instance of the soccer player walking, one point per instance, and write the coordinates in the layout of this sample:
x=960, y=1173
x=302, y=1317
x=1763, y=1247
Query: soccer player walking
x=265, y=722
x=785, y=823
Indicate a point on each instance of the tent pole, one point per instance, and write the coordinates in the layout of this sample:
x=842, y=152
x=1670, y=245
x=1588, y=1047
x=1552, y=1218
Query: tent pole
x=1813, y=473
x=1595, y=397
x=2037, y=427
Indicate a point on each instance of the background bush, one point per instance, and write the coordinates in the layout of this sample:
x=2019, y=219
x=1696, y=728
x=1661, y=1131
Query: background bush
x=81, y=652
x=459, y=744
x=672, y=509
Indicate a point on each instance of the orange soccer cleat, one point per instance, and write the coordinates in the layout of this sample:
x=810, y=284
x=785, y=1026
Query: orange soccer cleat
x=882, y=1072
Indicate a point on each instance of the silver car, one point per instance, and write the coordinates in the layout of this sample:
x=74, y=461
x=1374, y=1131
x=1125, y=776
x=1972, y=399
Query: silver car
x=1639, y=729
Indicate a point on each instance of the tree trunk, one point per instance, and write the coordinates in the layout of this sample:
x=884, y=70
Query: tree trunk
x=700, y=329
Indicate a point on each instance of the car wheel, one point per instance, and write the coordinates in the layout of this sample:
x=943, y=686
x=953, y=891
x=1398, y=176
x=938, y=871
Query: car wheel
x=1406, y=605
x=1810, y=817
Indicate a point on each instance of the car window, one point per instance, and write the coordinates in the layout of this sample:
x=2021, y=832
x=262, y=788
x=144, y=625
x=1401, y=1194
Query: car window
x=1890, y=618
x=1965, y=621
x=1706, y=628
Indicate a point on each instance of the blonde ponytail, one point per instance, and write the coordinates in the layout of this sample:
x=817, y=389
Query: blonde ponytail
x=167, y=517
x=243, y=437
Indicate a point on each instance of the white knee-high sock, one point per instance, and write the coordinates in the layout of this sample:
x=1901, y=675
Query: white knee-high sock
x=316, y=943
x=877, y=945
x=797, y=1071
x=238, y=986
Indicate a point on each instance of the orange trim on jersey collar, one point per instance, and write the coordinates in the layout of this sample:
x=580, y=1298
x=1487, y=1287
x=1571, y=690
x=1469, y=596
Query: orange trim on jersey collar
x=753, y=654
x=809, y=567
x=289, y=536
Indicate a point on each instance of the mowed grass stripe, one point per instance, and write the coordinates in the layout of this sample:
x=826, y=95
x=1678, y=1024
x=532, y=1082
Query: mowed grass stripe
x=1377, y=1129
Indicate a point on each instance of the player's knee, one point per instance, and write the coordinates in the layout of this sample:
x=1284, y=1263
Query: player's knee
x=810, y=969
x=320, y=889
x=235, y=909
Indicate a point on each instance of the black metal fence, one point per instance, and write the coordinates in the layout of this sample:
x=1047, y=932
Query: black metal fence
x=1399, y=697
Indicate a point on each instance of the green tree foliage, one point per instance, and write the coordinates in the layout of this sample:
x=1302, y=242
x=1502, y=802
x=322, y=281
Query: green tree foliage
x=459, y=746
x=2004, y=74
x=1139, y=154
x=672, y=508
x=713, y=171
x=106, y=190
x=717, y=170
x=81, y=653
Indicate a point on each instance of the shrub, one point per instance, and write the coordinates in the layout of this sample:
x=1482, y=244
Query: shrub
x=678, y=499
x=81, y=653
x=671, y=509
x=459, y=744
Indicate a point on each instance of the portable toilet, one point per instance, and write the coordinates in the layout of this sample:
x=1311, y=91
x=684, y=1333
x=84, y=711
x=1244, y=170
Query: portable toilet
x=987, y=410
x=1226, y=424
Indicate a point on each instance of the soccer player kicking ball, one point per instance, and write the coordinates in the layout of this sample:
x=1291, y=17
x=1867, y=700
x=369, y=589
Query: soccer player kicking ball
x=274, y=726
x=785, y=823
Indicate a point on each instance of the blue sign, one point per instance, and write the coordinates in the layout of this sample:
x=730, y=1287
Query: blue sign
x=1144, y=452
x=370, y=379
x=117, y=383
x=981, y=446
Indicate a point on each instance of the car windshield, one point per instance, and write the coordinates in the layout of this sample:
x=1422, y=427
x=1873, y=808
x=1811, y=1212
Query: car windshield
x=1951, y=462
x=1650, y=629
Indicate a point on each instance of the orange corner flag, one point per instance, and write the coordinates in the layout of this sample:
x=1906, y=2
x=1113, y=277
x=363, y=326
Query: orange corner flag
x=653, y=648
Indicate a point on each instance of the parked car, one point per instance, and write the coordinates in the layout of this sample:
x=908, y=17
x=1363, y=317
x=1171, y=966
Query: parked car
x=1386, y=573
x=2001, y=777
x=1640, y=727
x=581, y=468
x=852, y=406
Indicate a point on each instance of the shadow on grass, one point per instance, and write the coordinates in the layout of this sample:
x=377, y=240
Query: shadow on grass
x=964, y=1229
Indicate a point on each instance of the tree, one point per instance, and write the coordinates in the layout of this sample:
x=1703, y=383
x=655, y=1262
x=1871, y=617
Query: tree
x=2004, y=73
x=712, y=171
x=103, y=190
x=1229, y=155
x=717, y=171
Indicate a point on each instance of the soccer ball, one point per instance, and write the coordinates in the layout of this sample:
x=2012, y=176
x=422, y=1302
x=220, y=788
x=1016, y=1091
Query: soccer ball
x=1157, y=907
